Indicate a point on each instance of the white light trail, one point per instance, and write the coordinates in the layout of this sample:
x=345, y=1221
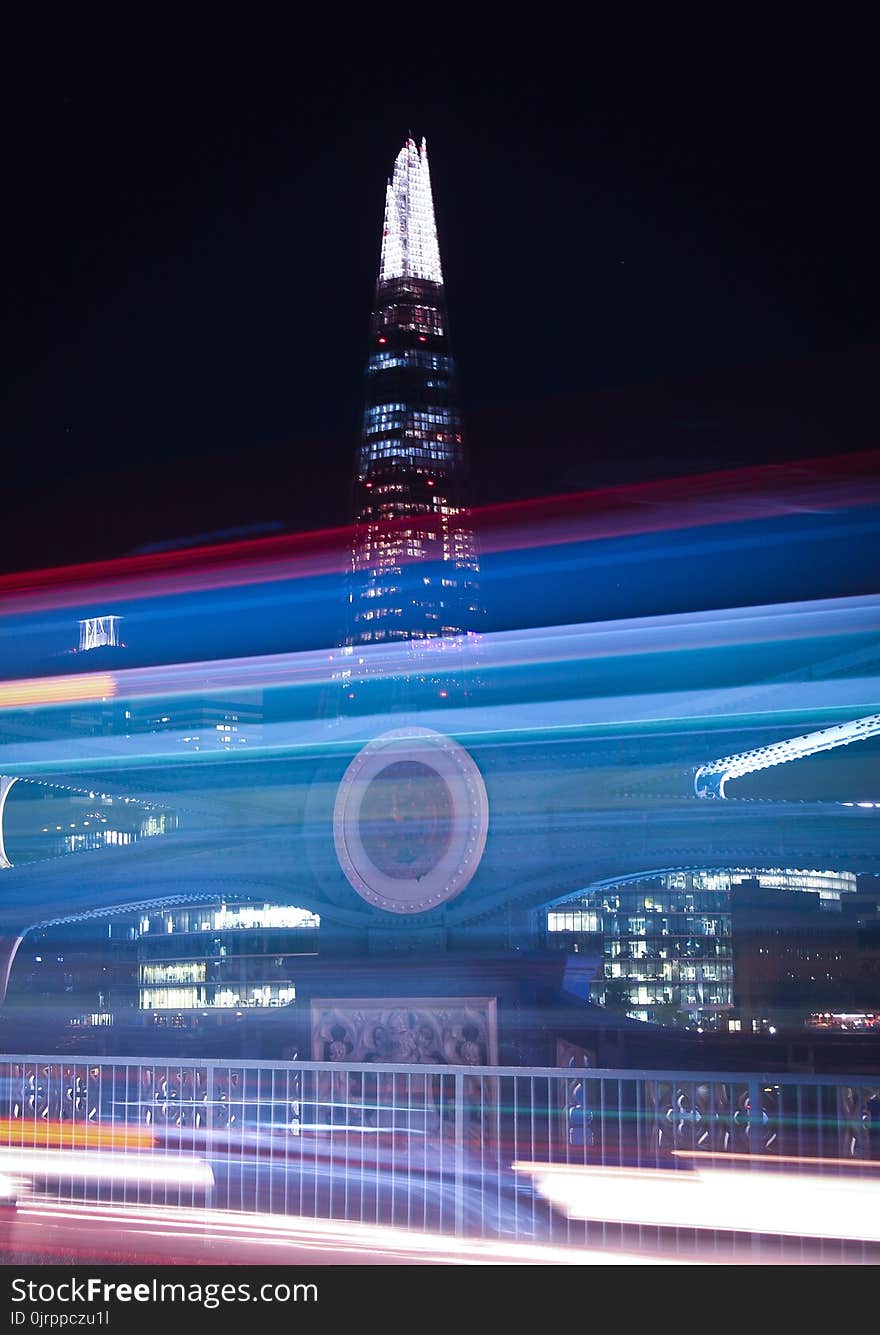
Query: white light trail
x=735, y=1200
x=98, y=1166
x=378, y=1241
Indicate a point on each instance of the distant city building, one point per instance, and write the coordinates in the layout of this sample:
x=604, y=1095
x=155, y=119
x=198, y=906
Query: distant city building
x=99, y=633
x=222, y=956
x=794, y=962
x=414, y=560
x=191, y=966
x=74, y=967
x=673, y=946
x=202, y=722
x=44, y=820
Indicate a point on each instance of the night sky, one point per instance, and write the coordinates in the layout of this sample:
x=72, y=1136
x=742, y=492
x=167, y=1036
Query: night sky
x=659, y=247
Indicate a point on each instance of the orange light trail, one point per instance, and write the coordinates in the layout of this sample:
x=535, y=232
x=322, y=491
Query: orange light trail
x=72, y=1135
x=56, y=690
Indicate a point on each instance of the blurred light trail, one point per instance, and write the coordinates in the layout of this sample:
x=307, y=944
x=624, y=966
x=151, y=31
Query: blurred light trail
x=42, y=1134
x=175, y=1235
x=57, y=690
x=88, y=1165
x=675, y=634
x=807, y=1205
x=853, y=1166
x=812, y=486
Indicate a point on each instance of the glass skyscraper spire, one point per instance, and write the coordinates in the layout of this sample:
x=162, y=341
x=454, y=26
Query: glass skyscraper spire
x=414, y=558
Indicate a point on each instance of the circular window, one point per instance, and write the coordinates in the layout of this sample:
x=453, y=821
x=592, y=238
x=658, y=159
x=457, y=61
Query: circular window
x=410, y=820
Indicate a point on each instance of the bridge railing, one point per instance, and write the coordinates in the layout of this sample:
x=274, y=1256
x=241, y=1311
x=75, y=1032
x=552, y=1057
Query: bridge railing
x=456, y=1149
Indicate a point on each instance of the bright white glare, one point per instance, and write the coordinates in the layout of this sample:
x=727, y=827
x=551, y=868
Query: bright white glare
x=104, y=1166
x=799, y=1205
x=9, y=1187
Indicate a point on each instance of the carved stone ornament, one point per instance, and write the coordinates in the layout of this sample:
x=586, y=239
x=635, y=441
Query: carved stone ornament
x=410, y=820
x=457, y=1031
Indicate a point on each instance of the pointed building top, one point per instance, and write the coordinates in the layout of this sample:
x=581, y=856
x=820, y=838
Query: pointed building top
x=409, y=238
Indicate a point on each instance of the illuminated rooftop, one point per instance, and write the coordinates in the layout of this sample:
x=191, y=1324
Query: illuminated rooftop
x=409, y=237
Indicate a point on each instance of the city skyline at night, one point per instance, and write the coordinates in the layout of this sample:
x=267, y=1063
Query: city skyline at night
x=439, y=651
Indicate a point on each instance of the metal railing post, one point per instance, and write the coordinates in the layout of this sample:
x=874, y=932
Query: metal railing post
x=755, y=1119
x=209, y=1106
x=459, y=1153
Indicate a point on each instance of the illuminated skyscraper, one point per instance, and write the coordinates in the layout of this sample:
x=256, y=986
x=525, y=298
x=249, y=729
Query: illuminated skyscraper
x=95, y=632
x=414, y=560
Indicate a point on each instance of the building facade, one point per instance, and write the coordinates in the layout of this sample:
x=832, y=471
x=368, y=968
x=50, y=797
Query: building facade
x=414, y=558
x=217, y=957
x=797, y=965
x=678, y=949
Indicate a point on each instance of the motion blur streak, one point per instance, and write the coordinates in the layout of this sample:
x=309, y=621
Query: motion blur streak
x=259, y=1235
x=56, y=690
x=96, y=1166
x=811, y=486
x=807, y=1205
x=757, y=1161
x=822, y=619
x=40, y=1134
